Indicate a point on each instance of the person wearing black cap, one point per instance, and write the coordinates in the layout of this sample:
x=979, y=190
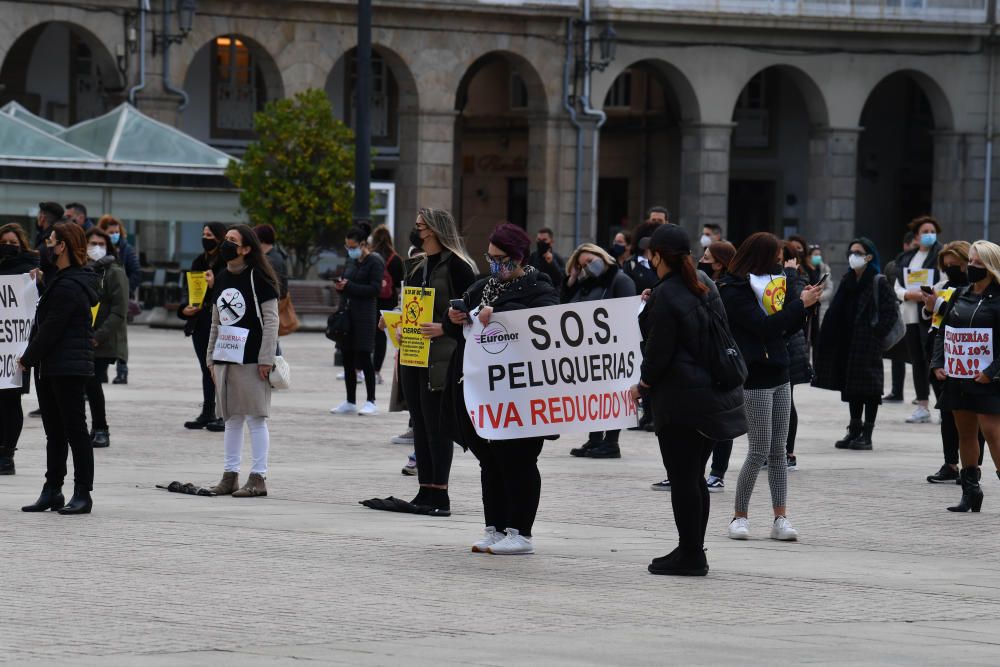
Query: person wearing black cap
x=511, y=482
x=199, y=323
x=691, y=413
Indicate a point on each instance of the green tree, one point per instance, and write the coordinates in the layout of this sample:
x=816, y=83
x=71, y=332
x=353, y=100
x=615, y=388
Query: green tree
x=299, y=175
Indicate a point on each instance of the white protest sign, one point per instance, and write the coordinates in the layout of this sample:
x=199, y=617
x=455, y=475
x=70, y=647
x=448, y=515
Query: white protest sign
x=553, y=370
x=18, y=298
x=967, y=352
x=231, y=344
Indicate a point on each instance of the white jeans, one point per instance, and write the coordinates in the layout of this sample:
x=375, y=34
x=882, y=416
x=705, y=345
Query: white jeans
x=260, y=441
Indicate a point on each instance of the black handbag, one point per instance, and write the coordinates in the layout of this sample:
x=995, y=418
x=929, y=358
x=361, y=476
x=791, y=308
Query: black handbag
x=338, y=326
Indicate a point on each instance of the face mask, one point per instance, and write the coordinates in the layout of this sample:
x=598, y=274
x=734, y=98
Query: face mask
x=228, y=251
x=354, y=253
x=96, y=252
x=502, y=270
x=817, y=260
x=928, y=240
x=543, y=247
x=706, y=268
x=415, y=239
x=706, y=240
x=955, y=274
x=208, y=245
x=596, y=267
x=9, y=250
x=116, y=237
x=977, y=273
x=857, y=261
x=777, y=270
x=617, y=250
x=47, y=258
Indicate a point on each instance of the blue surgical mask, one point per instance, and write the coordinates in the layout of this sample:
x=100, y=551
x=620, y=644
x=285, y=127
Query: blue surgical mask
x=115, y=237
x=354, y=253
x=928, y=240
x=502, y=270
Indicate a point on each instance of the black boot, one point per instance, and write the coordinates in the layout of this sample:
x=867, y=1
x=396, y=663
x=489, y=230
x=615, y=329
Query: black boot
x=864, y=441
x=972, y=495
x=101, y=438
x=946, y=475
x=122, y=377
x=201, y=421
x=853, y=432
x=50, y=499
x=7, y=463
x=582, y=451
x=217, y=425
x=606, y=450
x=80, y=503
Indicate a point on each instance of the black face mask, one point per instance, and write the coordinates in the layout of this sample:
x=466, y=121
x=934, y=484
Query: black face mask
x=9, y=251
x=228, y=251
x=706, y=268
x=209, y=244
x=45, y=259
x=617, y=250
x=955, y=274
x=543, y=247
x=977, y=273
x=777, y=270
x=415, y=239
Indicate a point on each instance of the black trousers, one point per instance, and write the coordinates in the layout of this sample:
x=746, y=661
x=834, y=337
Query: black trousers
x=793, y=424
x=685, y=453
x=916, y=343
x=64, y=418
x=721, y=451
x=898, y=377
x=95, y=395
x=355, y=361
x=200, y=340
x=434, y=451
x=607, y=437
x=11, y=421
x=512, y=485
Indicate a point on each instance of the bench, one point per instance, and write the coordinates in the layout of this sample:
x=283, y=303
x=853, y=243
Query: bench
x=314, y=301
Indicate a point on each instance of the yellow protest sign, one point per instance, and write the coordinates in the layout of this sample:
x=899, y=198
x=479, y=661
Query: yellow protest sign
x=418, y=308
x=946, y=295
x=93, y=314
x=918, y=277
x=393, y=321
x=197, y=287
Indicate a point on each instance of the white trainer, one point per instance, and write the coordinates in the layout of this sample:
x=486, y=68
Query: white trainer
x=920, y=416
x=739, y=528
x=512, y=545
x=782, y=530
x=491, y=536
x=368, y=409
x=344, y=408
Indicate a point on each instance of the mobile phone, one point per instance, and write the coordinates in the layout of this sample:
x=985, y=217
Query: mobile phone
x=926, y=290
x=459, y=304
x=823, y=279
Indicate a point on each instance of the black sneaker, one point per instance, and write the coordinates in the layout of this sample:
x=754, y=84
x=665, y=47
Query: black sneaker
x=680, y=564
x=582, y=451
x=216, y=425
x=660, y=486
x=605, y=451
x=892, y=398
x=35, y=413
x=792, y=463
x=946, y=475
x=100, y=439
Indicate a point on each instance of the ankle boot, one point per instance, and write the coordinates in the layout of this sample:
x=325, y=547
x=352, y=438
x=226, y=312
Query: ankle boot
x=229, y=483
x=50, y=499
x=207, y=415
x=853, y=432
x=80, y=503
x=864, y=441
x=440, y=503
x=972, y=495
x=7, y=463
x=254, y=487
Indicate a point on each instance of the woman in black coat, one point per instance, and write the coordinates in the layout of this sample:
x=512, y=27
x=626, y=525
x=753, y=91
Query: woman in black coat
x=16, y=258
x=359, y=288
x=849, y=356
x=691, y=414
x=62, y=349
x=512, y=485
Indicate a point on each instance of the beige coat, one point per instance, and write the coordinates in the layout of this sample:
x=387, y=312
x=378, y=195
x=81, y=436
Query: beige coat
x=238, y=387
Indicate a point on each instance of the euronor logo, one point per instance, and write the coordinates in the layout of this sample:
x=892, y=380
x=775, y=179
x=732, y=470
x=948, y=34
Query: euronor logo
x=495, y=338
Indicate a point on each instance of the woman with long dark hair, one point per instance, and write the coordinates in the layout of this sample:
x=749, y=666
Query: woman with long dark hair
x=691, y=414
x=199, y=322
x=241, y=349
x=62, y=350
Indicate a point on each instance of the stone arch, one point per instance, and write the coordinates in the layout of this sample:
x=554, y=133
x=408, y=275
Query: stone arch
x=944, y=116
x=684, y=98
x=812, y=95
x=537, y=98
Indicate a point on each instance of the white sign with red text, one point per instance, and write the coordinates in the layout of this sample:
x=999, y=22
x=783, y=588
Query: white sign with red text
x=967, y=352
x=18, y=298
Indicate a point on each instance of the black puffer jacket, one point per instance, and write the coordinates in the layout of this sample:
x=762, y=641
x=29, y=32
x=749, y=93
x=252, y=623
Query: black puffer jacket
x=62, y=340
x=968, y=310
x=674, y=325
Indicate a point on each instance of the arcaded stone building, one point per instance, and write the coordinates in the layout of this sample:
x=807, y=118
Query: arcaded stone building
x=827, y=117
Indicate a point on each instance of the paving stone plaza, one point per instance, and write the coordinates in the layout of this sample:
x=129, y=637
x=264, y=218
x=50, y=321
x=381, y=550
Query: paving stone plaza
x=882, y=574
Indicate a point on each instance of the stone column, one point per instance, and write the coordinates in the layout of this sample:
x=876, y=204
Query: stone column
x=561, y=200
x=833, y=168
x=435, y=160
x=957, y=188
x=704, y=176
x=543, y=174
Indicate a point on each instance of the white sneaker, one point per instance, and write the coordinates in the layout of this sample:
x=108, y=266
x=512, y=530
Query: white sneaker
x=739, y=529
x=378, y=378
x=341, y=375
x=491, y=536
x=782, y=530
x=920, y=416
x=513, y=544
x=368, y=409
x=344, y=408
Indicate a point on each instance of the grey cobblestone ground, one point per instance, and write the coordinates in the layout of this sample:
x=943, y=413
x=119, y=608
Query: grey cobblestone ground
x=882, y=574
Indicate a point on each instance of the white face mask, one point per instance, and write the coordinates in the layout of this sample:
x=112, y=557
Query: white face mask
x=856, y=261
x=96, y=252
x=706, y=240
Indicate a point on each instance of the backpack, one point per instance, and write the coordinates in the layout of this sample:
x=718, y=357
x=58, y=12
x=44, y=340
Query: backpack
x=388, y=285
x=725, y=362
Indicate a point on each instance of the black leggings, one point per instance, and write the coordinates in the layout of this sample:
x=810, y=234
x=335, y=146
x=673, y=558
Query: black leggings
x=793, y=424
x=11, y=420
x=869, y=407
x=512, y=485
x=721, y=451
x=433, y=449
x=64, y=418
x=200, y=340
x=916, y=339
x=355, y=361
x=95, y=395
x=685, y=453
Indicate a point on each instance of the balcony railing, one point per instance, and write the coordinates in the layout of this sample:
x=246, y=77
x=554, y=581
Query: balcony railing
x=938, y=11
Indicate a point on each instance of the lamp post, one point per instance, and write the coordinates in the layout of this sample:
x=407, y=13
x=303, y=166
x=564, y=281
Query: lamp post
x=362, y=120
x=186, y=9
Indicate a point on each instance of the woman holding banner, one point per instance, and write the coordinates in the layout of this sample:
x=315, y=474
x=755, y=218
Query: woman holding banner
x=753, y=292
x=592, y=275
x=965, y=361
x=199, y=321
x=692, y=414
x=512, y=485
x=16, y=258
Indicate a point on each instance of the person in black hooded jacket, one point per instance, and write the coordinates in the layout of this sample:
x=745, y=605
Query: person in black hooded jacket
x=16, y=258
x=62, y=349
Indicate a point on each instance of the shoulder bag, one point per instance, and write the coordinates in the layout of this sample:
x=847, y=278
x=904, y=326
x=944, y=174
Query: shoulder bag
x=280, y=376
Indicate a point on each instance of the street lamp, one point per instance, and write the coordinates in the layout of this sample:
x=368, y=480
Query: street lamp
x=607, y=44
x=185, y=15
x=186, y=10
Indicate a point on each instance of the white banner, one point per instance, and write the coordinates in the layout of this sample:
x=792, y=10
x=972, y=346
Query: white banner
x=18, y=298
x=230, y=344
x=554, y=370
x=967, y=352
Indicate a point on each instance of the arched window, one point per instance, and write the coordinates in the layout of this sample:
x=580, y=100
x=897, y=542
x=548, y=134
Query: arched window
x=238, y=89
x=384, y=103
